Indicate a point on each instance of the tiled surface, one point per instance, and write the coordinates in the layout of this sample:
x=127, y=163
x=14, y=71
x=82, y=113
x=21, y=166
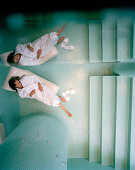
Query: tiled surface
x=69, y=76
x=79, y=164
x=69, y=69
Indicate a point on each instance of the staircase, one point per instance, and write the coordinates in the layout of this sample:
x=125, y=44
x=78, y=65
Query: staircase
x=112, y=98
x=112, y=121
x=111, y=39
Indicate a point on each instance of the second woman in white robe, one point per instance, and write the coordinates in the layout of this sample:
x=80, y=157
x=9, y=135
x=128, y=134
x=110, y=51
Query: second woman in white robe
x=45, y=43
x=46, y=96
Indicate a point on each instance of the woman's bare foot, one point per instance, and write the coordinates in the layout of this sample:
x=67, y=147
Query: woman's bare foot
x=69, y=114
x=62, y=99
x=59, y=40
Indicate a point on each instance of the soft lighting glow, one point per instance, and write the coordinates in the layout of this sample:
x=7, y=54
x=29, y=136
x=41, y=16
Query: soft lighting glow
x=15, y=21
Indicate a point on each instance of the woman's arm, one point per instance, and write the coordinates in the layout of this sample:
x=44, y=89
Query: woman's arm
x=40, y=87
x=29, y=79
x=30, y=48
x=39, y=53
x=32, y=93
x=23, y=93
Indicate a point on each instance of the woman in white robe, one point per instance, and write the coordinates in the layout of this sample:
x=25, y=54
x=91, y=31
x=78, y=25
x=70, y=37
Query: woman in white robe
x=32, y=87
x=31, y=53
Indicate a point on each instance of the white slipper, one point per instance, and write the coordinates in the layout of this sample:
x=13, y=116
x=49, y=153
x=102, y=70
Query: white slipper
x=67, y=98
x=70, y=47
x=70, y=91
x=65, y=41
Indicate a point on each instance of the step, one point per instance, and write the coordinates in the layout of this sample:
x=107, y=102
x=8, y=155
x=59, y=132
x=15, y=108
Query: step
x=122, y=122
x=131, y=142
x=108, y=114
x=94, y=117
x=134, y=39
x=95, y=45
x=111, y=111
x=109, y=40
x=123, y=38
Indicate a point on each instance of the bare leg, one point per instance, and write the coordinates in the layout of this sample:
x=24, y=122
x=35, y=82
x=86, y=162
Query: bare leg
x=61, y=29
x=61, y=39
x=62, y=107
x=62, y=99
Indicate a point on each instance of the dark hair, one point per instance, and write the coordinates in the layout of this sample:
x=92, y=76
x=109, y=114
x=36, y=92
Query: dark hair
x=10, y=58
x=12, y=80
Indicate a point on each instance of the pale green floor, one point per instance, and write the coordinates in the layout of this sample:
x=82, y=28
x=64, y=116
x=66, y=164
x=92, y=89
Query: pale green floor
x=84, y=164
x=69, y=69
x=68, y=76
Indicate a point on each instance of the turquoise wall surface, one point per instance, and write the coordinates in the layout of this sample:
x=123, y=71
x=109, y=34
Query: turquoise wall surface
x=84, y=164
x=9, y=104
x=38, y=142
x=69, y=69
x=124, y=69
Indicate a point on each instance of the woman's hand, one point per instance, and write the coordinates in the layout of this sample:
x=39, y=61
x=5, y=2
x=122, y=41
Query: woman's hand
x=40, y=87
x=30, y=48
x=32, y=92
x=39, y=53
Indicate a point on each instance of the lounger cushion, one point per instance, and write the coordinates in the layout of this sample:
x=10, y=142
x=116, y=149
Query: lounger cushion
x=52, y=53
x=20, y=72
x=4, y=57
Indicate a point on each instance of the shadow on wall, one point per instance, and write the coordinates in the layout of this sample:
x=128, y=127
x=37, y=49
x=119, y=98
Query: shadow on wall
x=124, y=69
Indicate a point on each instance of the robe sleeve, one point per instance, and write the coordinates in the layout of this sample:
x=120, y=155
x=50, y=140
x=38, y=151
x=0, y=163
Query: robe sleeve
x=20, y=48
x=23, y=94
x=27, y=80
x=27, y=57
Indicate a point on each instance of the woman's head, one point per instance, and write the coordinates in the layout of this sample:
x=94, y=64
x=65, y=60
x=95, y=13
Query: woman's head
x=15, y=83
x=13, y=58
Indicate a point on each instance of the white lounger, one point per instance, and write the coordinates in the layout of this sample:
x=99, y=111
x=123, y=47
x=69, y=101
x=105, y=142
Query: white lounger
x=52, y=53
x=20, y=72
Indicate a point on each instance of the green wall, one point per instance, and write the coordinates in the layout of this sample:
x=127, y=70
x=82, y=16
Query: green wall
x=84, y=164
x=9, y=104
x=38, y=142
x=124, y=69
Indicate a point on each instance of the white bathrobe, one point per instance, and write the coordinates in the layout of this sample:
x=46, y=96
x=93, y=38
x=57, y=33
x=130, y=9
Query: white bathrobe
x=30, y=83
x=45, y=43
